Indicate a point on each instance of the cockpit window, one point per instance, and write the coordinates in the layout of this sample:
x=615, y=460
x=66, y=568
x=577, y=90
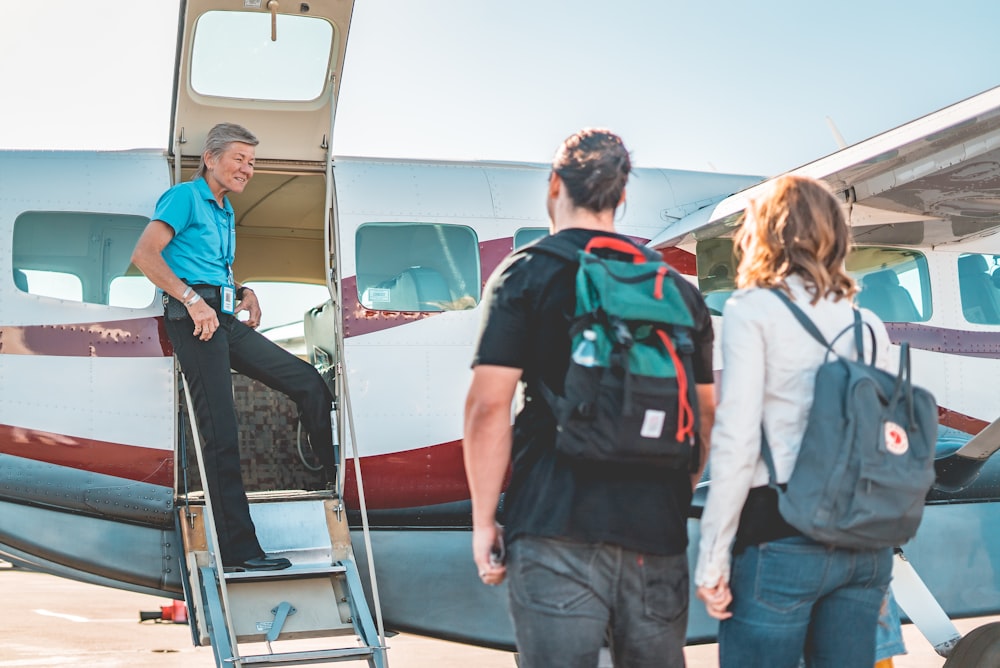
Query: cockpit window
x=979, y=285
x=292, y=68
x=894, y=283
x=526, y=235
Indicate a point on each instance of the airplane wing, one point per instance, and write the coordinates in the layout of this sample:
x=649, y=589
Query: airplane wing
x=934, y=180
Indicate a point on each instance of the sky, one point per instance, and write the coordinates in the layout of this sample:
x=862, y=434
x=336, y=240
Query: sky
x=712, y=85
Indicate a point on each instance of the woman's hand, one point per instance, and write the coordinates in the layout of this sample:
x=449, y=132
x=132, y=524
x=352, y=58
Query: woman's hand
x=716, y=599
x=206, y=320
x=249, y=304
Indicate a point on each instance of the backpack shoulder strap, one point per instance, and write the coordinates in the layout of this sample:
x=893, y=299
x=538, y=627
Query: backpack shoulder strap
x=857, y=327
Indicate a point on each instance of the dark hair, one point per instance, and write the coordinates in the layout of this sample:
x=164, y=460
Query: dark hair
x=594, y=165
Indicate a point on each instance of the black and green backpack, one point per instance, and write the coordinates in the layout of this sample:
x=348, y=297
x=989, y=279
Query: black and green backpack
x=629, y=394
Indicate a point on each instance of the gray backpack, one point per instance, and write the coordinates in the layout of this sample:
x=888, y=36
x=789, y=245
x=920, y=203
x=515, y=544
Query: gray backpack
x=867, y=457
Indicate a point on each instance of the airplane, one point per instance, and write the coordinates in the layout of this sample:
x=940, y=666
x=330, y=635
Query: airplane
x=385, y=261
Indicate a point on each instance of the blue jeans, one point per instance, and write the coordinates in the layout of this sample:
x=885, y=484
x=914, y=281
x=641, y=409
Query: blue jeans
x=889, y=633
x=565, y=597
x=796, y=598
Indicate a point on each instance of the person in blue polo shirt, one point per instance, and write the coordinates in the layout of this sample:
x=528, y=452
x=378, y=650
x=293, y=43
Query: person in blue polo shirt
x=187, y=250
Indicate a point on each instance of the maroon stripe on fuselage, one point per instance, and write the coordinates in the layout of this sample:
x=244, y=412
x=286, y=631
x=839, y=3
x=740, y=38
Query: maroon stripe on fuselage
x=412, y=478
x=681, y=260
x=141, y=337
x=130, y=462
x=956, y=420
x=948, y=341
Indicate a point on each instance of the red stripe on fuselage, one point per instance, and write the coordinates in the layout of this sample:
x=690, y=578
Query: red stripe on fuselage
x=681, y=260
x=947, y=341
x=409, y=479
x=956, y=420
x=422, y=477
x=141, y=337
x=130, y=462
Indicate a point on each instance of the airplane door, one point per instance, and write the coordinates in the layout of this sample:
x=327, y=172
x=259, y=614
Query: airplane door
x=274, y=68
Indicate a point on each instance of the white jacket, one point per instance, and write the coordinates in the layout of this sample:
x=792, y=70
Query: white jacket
x=769, y=368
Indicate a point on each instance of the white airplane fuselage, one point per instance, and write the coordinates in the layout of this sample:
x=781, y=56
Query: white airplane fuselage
x=91, y=440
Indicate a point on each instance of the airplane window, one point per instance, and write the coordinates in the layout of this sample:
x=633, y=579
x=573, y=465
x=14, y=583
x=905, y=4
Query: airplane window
x=894, y=283
x=131, y=292
x=53, y=284
x=526, y=235
x=716, y=272
x=291, y=68
x=81, y=257
x=417, y=267
x=979, y=286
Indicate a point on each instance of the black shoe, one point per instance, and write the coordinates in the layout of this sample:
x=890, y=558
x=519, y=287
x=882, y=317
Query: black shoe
x=264, y=563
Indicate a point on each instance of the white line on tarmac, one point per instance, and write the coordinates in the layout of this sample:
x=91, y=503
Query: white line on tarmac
x=44, y=661
x=76, y=618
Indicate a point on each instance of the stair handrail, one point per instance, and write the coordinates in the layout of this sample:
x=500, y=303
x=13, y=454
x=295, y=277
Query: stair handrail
x=215, y=555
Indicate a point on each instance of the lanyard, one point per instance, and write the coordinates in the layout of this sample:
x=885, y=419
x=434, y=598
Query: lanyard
x=226, y=246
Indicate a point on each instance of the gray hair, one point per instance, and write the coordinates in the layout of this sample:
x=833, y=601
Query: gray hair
x=218, y=140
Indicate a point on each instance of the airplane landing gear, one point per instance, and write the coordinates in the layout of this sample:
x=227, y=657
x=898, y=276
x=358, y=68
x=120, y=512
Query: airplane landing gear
x=980, y=647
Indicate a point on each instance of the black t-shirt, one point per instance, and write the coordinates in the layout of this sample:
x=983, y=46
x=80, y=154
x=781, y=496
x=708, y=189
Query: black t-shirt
x=528, y=304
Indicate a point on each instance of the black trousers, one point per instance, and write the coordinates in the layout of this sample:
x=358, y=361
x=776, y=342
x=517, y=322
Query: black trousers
x=206, y=365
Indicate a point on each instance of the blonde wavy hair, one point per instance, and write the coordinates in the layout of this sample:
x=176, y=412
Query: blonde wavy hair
x=797, y=228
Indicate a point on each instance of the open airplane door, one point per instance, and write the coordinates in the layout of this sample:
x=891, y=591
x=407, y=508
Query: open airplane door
x=274, y=68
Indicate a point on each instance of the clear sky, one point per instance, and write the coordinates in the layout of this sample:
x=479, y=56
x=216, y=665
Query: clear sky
x=709, y=84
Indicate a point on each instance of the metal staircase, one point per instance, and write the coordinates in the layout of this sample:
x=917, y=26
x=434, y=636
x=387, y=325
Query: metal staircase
x=314, y=612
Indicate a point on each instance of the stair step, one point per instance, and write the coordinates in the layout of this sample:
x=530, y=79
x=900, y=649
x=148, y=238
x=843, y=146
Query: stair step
x=304, y=658
x=292, y=572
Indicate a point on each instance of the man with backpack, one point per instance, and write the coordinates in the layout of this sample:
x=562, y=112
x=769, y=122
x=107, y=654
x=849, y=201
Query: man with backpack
x=612, y=353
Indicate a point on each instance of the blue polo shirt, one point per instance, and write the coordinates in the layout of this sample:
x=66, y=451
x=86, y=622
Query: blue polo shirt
x=204, y=242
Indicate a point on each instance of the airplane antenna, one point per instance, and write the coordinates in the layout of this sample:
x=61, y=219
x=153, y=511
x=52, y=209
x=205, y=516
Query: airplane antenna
x=837, y=137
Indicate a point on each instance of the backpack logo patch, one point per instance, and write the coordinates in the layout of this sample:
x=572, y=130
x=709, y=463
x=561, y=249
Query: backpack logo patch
x=896, y=440
x=652, y=423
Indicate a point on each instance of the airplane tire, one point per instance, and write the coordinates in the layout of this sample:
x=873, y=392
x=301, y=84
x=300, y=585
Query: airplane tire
x=980, y=647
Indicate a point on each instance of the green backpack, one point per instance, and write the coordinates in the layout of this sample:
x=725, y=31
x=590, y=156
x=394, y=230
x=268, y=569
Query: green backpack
x=628, y=394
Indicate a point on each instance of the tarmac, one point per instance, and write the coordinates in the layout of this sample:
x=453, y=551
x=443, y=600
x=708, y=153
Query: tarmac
x=49, y=621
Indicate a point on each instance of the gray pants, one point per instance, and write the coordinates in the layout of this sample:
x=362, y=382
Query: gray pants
x=565, y=596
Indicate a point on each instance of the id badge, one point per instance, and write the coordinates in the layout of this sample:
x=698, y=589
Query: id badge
x=228, y=299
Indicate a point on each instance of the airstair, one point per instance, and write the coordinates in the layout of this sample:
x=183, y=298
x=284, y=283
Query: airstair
x=314, y=612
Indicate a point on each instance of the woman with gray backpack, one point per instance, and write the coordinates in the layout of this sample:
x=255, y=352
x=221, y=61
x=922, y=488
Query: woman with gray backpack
x=783, y=587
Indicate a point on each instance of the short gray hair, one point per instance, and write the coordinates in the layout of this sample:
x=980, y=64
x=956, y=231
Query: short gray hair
x=218, y=140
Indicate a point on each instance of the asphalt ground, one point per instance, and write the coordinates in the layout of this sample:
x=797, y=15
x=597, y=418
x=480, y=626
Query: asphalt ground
x=48, y=621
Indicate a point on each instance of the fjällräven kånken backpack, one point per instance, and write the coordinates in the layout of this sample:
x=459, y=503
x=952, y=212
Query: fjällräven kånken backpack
x=866, y=461
x=628, y=393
